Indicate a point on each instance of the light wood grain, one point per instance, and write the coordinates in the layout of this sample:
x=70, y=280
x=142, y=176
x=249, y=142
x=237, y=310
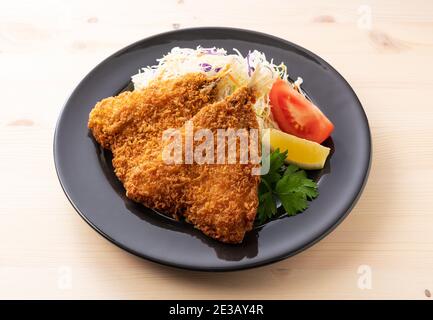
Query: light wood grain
x=46, y=47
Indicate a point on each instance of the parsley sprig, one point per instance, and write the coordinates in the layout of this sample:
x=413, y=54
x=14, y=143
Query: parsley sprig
x=289, y=184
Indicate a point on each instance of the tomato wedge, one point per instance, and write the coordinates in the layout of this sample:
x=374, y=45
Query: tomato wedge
x=296, y=115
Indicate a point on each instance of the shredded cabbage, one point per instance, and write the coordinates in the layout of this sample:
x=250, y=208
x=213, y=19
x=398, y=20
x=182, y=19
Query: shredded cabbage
x=253, y=70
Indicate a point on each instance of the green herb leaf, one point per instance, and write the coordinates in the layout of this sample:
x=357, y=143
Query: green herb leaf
x=267, y=207
x=294, y=202
x=288, y=184
x=276, y=160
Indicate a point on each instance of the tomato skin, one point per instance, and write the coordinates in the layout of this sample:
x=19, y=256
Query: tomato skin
x=296, y=115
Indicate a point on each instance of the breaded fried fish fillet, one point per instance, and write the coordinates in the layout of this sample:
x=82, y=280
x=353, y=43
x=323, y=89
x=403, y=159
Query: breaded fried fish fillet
x=219, y=199
x=131, y=124
x=222, y=199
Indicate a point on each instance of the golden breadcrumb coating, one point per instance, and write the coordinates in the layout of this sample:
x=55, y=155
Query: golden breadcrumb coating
x=222, y=198
x=131, y=124
x=219, y=199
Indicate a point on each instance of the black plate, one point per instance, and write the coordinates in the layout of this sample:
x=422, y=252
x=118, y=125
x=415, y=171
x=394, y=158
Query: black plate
x=86, y=174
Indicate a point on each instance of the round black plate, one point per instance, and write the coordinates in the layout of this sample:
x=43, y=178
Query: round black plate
x=87, y=178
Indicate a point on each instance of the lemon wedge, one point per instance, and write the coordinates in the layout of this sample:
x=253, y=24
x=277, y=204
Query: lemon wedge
x=303, y=153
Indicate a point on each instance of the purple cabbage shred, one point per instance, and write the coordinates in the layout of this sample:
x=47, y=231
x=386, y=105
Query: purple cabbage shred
x=206, y=67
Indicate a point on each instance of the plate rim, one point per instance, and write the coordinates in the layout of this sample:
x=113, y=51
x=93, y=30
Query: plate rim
x=237, y=267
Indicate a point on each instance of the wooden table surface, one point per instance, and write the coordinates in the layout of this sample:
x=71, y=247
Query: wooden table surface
x=384, y=249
